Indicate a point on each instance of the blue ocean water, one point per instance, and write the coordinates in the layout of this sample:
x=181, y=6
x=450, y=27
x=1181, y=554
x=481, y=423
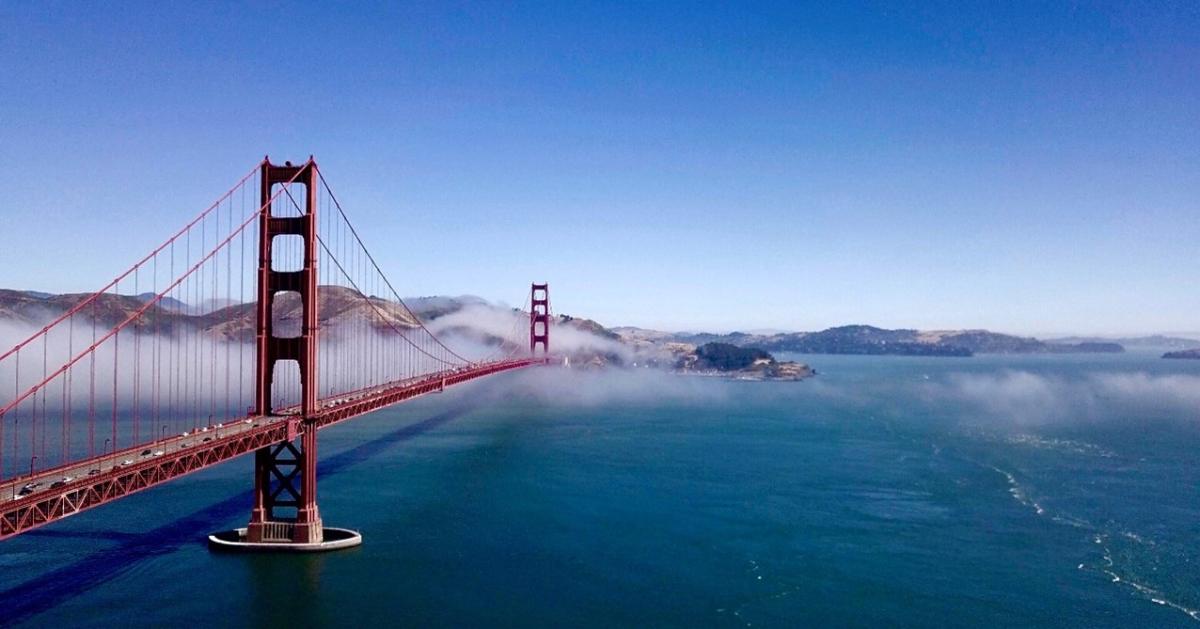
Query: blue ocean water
x=990, y=491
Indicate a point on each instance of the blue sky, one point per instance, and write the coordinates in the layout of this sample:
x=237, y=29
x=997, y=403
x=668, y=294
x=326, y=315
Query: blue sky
x=1024, y=167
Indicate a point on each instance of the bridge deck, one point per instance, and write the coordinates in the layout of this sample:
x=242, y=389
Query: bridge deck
x=60, y=492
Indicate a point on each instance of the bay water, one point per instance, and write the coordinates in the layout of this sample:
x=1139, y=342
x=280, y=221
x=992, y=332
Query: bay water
x=887, y=491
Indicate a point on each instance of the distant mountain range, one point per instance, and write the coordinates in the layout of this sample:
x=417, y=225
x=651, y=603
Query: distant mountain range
x=611, y=345
x=870, y=340
x=440, y=305
x=1155, y=342
x=340, y=310
x=233, y=322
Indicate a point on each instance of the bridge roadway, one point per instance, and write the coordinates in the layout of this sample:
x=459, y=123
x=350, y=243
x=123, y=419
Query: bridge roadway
x=62, y=491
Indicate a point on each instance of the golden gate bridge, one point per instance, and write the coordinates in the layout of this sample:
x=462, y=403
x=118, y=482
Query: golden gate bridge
x=260, y=322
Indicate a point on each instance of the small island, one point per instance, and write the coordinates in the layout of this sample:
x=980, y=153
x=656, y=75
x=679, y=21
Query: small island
x=1193, y=354
x=741, y=363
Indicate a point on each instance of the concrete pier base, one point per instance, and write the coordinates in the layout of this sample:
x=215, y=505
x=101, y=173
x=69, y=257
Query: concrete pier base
x=235, y=541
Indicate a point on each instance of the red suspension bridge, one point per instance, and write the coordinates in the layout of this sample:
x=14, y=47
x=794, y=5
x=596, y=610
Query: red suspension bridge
x=260, y=322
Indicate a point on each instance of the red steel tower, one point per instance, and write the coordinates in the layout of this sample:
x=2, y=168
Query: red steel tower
x=539, y=319
x=294, y=469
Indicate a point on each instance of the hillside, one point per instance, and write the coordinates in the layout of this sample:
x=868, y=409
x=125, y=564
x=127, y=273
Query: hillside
x=1154, y=342
x=432, y=307
x=861, y=339
x=35, y=309
x=871, y=340
x=336, y=306
x=745, y=363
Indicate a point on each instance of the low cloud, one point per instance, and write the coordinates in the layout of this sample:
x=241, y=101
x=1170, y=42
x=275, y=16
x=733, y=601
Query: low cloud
x=1024, y=397
x=514, y=325
x=567, y=388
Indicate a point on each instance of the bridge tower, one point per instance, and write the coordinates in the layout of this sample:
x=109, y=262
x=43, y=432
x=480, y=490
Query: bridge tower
x=293, y=468
x=539, y=319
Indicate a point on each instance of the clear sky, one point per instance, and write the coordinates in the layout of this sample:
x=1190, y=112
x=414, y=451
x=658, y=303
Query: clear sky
x=1025, y=167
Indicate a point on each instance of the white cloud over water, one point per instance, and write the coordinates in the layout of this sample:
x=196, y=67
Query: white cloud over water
x=1027, y=397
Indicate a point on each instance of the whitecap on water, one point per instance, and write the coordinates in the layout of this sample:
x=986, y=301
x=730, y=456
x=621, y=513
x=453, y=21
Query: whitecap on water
x=1018, y=492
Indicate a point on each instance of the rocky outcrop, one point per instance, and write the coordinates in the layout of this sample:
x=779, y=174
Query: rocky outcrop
x=743, y=363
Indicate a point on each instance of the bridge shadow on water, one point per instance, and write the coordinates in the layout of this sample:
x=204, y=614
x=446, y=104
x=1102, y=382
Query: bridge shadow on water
x=48, y=590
